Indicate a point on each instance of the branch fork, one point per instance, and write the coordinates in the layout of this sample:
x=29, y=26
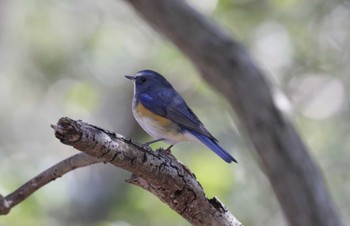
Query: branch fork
x=155, y=171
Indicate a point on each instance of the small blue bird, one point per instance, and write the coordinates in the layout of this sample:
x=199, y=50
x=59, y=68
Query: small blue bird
x=163, y=113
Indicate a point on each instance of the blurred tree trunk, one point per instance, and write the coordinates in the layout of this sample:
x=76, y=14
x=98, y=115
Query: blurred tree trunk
x=226, y=65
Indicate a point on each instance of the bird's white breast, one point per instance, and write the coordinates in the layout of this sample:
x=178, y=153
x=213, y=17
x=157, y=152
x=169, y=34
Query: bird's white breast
x=158, y=126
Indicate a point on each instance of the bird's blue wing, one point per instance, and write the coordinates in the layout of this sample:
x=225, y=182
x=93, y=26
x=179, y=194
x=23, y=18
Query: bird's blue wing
x=169, y=104
x=153, y=104
x=214, y=146
x=172, y=106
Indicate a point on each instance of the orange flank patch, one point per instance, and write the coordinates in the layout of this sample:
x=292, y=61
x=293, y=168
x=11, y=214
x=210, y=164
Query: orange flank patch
x=158, y=126
x=144, y=112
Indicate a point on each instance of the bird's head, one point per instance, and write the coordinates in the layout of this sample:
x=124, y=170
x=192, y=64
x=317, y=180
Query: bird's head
x=148, y=80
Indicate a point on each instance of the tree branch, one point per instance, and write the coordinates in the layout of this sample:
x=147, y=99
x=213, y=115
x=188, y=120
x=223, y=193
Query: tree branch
x=58, y=170
x=155, y=171
x=227, y=66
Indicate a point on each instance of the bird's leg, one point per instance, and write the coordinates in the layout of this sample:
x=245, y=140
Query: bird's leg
x=153, y=141
x=168, y=151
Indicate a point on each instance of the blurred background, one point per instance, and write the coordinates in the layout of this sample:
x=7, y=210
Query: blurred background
x=68, y=58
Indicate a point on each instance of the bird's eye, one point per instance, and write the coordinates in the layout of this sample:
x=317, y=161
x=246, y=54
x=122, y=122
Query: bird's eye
x=143, y=79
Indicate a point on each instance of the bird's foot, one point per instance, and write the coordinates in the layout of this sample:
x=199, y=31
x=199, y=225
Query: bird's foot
x=166, y=151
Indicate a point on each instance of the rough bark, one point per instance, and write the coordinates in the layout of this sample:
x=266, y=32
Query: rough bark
x=155, y=171
x=226, y=65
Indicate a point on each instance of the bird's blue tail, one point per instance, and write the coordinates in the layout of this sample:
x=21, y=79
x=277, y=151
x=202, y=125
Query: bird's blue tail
x=214, y=146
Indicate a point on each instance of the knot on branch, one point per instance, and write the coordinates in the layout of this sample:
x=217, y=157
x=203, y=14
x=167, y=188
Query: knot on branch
x=67, y=130
x=215, y=202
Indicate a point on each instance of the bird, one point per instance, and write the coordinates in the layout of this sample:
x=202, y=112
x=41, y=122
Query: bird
x=163, y=113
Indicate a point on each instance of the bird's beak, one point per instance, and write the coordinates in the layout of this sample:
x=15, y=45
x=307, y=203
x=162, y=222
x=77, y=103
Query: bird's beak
x=133, y=78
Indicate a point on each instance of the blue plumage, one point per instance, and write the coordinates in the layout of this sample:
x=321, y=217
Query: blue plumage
x=163, y=113
x=214, y=146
